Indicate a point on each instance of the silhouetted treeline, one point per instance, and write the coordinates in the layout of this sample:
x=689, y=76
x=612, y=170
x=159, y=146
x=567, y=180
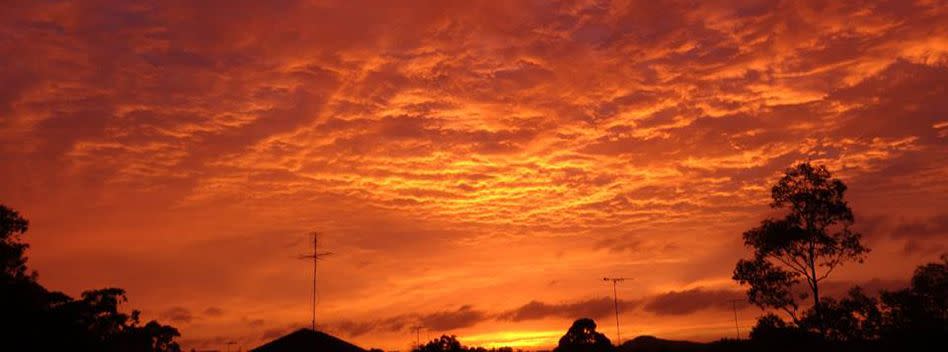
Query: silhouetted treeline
x=33, y=318
x=447, y=343
x=914, y=317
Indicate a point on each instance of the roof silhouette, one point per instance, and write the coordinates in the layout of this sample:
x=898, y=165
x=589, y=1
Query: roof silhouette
x=309, y=341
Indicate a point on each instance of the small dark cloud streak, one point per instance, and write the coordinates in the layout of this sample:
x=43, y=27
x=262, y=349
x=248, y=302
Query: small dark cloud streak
x=178, y=315
x=591, y=308
x=933, y=227
x=691, y=301
x=443, y=321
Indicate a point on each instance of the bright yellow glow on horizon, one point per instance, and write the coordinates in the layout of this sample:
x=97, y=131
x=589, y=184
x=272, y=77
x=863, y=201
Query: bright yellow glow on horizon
x=514, y=339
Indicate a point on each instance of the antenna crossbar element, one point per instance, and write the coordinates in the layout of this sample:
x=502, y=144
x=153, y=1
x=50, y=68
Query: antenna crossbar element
x=315, y=256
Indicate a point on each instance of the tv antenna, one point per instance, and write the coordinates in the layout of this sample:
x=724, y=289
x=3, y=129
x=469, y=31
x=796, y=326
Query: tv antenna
x=615, y=299
x=737, y=327
x=417, y=329
x=315, y=256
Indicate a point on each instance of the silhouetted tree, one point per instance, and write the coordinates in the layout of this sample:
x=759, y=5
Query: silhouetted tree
x=35, y=319
x=809, y=242
x=22, y=300
x=12, y=249
x=583, y=337
x=919, y=312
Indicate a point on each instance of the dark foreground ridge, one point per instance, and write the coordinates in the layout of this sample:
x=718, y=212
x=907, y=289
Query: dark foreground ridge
x=308, y=340
x=654, y=344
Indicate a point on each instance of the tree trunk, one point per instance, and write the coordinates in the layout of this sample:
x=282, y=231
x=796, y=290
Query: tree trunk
x=817, y=308
x=814, y=284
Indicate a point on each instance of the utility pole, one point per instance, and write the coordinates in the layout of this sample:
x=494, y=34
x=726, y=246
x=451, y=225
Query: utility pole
x=315, y=256
x=737, y=327
x=615, y=299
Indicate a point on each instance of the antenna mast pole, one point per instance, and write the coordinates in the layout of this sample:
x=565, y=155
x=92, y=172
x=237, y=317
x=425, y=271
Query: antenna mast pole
x=737, y=327
x=315, y=257
x=315, y=260
x=615, y=299
x=417, y=329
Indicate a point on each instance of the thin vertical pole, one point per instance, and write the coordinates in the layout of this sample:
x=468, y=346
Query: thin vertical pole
x=737, y=326
x=315, y=256
x=615, y=300
x=417, y=329
x=315, y=260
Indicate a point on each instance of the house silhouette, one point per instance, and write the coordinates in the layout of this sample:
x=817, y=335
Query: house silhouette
x=308, y=340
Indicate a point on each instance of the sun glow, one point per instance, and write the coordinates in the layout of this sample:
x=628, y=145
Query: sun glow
x=515, y=339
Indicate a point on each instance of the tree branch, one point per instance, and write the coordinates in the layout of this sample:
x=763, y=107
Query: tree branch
x=800, y=269
x=832, y=265
x=792, y=314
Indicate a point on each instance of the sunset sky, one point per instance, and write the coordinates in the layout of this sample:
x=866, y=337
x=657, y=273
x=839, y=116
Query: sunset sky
x=476, y=167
